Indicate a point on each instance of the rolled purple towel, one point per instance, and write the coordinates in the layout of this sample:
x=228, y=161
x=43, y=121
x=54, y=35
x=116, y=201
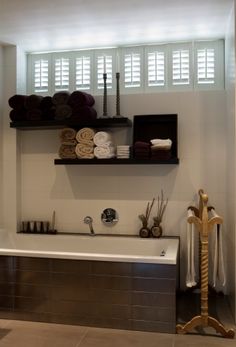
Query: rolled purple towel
x=17, y=101
x=60, y=98
x=63, y=112
x=17, y=115
x=84, y=113
x=141, y=144
x=34, y=114
x=78, y=98
x=32, y=102
x=46, y=103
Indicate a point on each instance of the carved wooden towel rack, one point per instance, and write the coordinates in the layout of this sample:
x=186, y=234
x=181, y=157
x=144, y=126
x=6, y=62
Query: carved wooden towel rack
x=204, y=225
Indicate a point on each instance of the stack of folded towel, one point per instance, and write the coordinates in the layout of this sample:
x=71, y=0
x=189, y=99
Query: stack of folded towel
x=161, y=149
x=104, y=146
x=141, y=150
x=123, y=152
x=62, y=110
x=81, y=104
x=68, y=144
x=85, y=147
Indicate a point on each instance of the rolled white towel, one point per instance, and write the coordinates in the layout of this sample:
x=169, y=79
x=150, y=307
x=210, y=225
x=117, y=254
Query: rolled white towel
x=104, y=152
x=101, y=138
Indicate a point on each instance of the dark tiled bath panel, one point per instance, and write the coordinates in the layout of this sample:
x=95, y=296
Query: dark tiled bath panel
x=133, y=296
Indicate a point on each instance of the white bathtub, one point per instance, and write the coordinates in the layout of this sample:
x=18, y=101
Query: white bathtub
x=104, y=248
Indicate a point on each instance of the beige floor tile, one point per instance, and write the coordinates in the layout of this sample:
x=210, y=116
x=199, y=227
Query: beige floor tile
x=192, y=340
x=124, y=338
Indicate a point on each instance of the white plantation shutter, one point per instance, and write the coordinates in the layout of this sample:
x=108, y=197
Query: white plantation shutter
x=180, y=67
x=61, y=73
x=132, y=67
x=41, y=67
x=156, y=69
x=104, y=64
x=83, y=72
x=209, y=64
x=206, y=66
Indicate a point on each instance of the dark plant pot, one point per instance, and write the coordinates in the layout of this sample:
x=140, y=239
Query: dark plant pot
x=156, y=230
x=144, y=232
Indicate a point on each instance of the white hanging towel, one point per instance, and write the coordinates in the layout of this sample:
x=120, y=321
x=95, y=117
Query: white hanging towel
x=217, y=276
x=191, y=272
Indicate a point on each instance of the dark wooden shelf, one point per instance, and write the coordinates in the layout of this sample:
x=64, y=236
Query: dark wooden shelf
x=115, y=161
x=57, y=124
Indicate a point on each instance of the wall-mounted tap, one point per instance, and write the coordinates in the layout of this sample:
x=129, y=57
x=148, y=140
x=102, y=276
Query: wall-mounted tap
x=89, y=220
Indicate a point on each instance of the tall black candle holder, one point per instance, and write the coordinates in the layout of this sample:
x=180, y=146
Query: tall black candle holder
x=118, y=115
x=105, y=115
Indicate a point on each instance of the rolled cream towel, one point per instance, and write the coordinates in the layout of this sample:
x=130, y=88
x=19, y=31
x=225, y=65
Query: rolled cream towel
x=101, y=138
x=84, y=151
x=67, y=134
x=67, y=152
x=86, y=136
x=104, y=152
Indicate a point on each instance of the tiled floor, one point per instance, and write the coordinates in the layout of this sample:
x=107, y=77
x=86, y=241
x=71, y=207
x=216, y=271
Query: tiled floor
x=31, y=334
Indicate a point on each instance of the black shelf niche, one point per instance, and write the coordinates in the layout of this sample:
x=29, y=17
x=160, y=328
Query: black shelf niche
x=58, y=124
x=115, y=161
x=162, y=126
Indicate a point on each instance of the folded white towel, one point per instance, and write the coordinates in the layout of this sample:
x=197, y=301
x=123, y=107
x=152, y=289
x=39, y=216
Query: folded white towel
x=191, y=272
x=161, y=142
x=104, y=152
x=101, y=138
x=217, y=275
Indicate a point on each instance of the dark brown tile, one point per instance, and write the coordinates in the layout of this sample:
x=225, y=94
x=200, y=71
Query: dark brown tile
x=153, y=299
x=6, y=302
x=6, y=262
x=33, y=291
x=111, y=268
x=7, y=276
x=121, y=297
x=154, y=270
x=71, y=266
x=153, y=313
x=34, y=305
x=112, y=323
x=111, y=311
x=7, y=289
x=111, y=282
x=59, y=279
x=153, y=285
x=70, y=292
x=34, y=264
x=66, y=307
x=32, y=277
x=70, y=320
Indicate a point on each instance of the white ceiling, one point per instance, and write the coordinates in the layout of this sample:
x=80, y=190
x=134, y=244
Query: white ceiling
x=75, y=24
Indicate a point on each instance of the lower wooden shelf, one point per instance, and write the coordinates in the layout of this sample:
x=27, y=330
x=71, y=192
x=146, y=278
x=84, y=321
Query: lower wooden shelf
x=115, y=161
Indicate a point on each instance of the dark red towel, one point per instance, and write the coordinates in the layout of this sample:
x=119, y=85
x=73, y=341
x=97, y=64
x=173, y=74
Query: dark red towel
x=84, y=113
x=33, y=101
x=17, y=101
x=60, y=98
x=17, y=115
x=141, y=144
x=78, y=98
x=46, y=103
x=34, y=114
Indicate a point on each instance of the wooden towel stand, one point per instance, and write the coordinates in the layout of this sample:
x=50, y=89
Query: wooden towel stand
x=204, y=226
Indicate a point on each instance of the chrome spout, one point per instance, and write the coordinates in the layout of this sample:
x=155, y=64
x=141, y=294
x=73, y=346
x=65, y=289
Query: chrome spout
x=89, y=220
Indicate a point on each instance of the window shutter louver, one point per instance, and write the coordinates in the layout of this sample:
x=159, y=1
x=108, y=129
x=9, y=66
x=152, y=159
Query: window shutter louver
x=132, y=70
x=61, y=74
x=180, y=67
x=156, y=69
x=104, y=65
x=206, y=66
x=83, y=73
x=41, y=76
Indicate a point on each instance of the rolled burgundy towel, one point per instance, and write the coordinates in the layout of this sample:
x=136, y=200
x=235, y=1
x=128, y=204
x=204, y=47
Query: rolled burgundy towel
x=63, y=112
x=32, y=102
x=46, y=103
x=161, y=155
x=84, y=113
x=141, y=144
x=34, y=114
x=60, y=98
x=17, y=101
x=17, y=115
x=78, y=98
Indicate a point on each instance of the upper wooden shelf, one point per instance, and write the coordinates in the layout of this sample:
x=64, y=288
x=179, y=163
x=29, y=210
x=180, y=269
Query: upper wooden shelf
x=57, y=124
